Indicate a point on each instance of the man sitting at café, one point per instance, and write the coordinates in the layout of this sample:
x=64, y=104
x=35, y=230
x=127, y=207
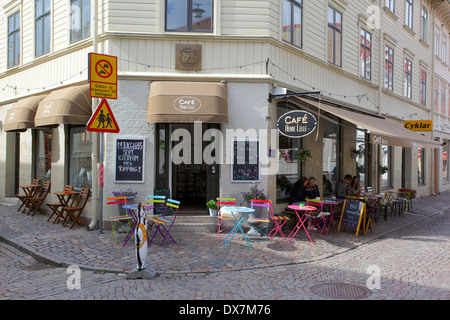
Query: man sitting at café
x=342, y=187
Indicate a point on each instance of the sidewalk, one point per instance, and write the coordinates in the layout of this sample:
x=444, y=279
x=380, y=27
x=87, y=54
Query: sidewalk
x=193, y=252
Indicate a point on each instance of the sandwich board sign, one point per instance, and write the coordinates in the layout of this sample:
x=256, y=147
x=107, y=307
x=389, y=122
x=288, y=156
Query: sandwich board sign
x=353, y=216
x=103, y=119
x=103, y=76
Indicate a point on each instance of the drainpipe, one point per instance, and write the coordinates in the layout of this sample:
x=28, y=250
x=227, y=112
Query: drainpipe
x=377, y=148
x=95, y=140
x=433, y=168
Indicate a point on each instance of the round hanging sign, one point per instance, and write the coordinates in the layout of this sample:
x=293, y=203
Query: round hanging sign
x=296, y=124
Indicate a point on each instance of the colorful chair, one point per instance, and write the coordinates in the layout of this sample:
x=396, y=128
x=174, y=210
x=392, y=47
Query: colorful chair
x=116, y=220
x=163, y=223
x=260, y=224
x=221, y=218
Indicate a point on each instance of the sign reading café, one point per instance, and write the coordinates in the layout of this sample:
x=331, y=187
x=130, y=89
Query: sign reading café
x=296, y=124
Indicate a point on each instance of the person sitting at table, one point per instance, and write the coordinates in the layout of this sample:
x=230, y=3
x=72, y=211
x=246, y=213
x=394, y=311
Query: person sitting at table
x=298, y=190
x=342, y=187
x=311, y=189
x=354, y=187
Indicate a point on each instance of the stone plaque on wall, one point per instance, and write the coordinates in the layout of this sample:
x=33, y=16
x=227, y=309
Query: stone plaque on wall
x=188, y=57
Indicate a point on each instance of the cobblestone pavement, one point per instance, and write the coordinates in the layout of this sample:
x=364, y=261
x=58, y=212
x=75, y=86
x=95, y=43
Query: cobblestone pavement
x=411, y=252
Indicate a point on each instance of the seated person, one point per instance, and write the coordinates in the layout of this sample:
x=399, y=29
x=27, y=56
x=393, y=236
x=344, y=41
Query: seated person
x=354, y=187
x=311, y=189
x=298, y=190
x=342, y=187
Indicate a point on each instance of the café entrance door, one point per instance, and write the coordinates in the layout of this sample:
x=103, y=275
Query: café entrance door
x=182, y=168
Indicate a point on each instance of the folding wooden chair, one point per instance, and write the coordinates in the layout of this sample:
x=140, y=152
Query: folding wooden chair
x=263, y=221
x=74, y=212
x=55, y=207
x=221, y=227
x=23, y=198
x=160, y=222
x=116, y=220
x=35, y=203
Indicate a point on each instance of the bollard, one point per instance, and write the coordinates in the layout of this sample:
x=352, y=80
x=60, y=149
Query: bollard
x=140, y=237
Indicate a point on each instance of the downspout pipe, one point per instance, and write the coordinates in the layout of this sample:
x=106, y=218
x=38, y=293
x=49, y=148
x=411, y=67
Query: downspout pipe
x=95, y=140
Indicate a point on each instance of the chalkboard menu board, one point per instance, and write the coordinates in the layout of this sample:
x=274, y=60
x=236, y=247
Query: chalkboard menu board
x=352, y=214
x=245, y=165
x=129, y=160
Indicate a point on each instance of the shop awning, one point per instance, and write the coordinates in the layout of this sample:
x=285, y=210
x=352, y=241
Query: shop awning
x=20, y=117
x=71, y=105
x=382, y=130
x=187, y=102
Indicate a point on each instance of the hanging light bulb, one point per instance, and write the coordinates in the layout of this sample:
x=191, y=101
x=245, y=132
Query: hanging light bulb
x=198, y=13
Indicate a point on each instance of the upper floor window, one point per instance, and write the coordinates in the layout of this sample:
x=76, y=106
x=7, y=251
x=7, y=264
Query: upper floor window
x=388, y=68
x=189, y=15
x=444, y=48
x=436, y=94
x=409, y=13
x=423, y=87
x=14, y=40
x=407, y=89
x=365, y=54
x=42, y=27
x=437, y=36
x=80, y=11
x=334, y=37
x=443, y=96
x=390, y=4
x=292, y=22
x=424, y=24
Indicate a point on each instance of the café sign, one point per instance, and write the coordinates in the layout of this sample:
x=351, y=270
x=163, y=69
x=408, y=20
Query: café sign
x=296, y=124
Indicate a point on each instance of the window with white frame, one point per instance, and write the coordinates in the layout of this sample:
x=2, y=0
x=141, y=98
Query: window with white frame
x=436, y=94
x=390, y=4
x=189, y=15
x=443, y=96
x=424, y=24
x=365, y=54
x=437, y=36
x=444, y=47
x=42, y=27
x=407, y=85
x=292, y=22
x=334, y=37
x=409, y=13
x=80, y=13
x=423, y=87
x=388, y=68
x=14, y=40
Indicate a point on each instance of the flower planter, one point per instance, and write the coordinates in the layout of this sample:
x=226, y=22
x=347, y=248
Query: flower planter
x=212, y=212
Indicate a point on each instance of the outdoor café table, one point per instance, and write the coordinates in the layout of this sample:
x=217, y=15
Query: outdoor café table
x=332, y=206
x=30, y=191
x=132, y=209
x=64, y=198
x=301, y=219
x=244, y=213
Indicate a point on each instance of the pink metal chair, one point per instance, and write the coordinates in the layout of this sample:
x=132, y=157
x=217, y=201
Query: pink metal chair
x=221, y=227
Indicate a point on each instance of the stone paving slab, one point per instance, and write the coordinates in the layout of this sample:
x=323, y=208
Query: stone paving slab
x=193, y=252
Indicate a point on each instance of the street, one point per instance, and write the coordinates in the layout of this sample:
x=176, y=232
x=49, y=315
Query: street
x=410, y=263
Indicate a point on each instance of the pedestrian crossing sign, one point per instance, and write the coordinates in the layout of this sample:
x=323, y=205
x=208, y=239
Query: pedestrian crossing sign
x=103, y=119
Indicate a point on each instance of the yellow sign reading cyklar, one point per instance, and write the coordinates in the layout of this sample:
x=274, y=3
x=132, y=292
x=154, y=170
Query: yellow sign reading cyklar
x=419, y=125
x=103, y=76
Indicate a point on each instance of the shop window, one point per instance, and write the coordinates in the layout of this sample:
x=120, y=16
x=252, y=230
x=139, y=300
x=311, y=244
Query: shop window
x=14, y=40
x=292, y=22
x=80, y=163
x=289, y=170
x=420, y=166
x=190, y=15
x=334, y=37
x=386, y=164
x=43, y=154
x=80, y=19
x=42, y=27
x=330, y=163
x=365, y=54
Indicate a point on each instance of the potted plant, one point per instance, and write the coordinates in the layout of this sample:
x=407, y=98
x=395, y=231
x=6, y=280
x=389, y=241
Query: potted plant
x=383, y=169
x=212, y=206
x=129, y=193
x=301, y=155
x=356, y=153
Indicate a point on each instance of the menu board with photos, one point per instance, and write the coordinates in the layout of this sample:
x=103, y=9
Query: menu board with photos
x=129, y=159
x=245, y=165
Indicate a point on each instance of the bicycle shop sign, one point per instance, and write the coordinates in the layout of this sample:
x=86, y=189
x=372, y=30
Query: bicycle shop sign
x=296, y=124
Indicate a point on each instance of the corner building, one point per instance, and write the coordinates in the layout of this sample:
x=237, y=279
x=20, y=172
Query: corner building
x=195, y=68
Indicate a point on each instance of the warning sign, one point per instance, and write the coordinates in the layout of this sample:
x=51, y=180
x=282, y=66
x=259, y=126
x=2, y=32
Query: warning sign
x=103, y=76
x=103, y=119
